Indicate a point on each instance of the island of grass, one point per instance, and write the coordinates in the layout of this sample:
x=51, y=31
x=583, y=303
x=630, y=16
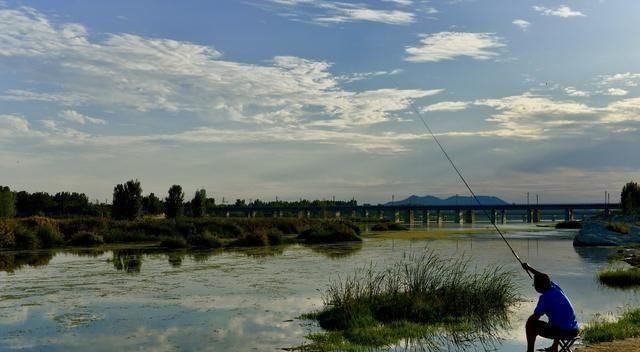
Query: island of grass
x=601, y=330
x=413, y=299
x=620, y=277
x=570, y=224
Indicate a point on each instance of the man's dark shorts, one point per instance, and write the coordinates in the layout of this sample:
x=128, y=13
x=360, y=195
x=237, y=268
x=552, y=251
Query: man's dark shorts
x=549, y=331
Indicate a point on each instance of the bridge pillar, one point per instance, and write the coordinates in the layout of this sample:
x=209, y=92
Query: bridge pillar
x=307, y=213
x=354, y=214
x=503, y=217
x=494, y=216
x=337, y=214
x=529, y=216
x=439, y=216
x=469, y=216
x=396, y=215
x=381, y=214
x=410, y=217
x=275, y=214
x=536, y=215
x=607, y=212
x=568, y=214
x=459, y=216
x=425, y=217
x=366, y=214
x=251, y=214
x=227, y=214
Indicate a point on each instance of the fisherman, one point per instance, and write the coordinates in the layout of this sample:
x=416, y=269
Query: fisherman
x=556, y=306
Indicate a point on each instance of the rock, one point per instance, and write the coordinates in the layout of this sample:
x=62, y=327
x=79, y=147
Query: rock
x=595, y=233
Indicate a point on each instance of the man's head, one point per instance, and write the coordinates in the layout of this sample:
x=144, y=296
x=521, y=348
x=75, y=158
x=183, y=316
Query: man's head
x=541, y=282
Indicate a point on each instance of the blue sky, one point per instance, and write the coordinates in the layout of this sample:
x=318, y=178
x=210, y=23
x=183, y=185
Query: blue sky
x=312, y=98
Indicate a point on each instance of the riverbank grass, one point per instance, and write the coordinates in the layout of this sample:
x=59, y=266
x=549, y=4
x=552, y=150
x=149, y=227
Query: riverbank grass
x=600, y=330
x=372, y=309
x=621, y=277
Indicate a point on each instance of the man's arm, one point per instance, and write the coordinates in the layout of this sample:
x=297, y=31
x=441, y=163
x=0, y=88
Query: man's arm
x=530, y=269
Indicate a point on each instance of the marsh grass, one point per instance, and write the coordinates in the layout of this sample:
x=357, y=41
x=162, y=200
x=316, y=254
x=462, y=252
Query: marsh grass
x=601, y=330
x=378, y=308
x=389, y=226
x=618, y=227
x=621, y=277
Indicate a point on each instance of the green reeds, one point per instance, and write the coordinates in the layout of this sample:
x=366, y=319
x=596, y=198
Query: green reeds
x=331, y=232
x=618, y=227
x=621, y=278
x=413, y=296
x=389, y=226
x=600, y=330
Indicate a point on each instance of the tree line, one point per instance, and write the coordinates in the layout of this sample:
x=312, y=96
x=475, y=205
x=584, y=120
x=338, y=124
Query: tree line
x=129, y=203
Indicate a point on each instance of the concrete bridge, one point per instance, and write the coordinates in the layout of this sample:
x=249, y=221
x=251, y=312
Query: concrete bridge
x=412, y=214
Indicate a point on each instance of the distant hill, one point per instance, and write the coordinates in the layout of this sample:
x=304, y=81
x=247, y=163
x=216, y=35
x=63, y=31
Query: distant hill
x=461, y=200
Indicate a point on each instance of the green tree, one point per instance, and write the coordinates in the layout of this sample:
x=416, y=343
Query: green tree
x=152, y=205
x=127, y=201
x=630, y=197
x=173, y=206
x=199, y=204
x=7, y=203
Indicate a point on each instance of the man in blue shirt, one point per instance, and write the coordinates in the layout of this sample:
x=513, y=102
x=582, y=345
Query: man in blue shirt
x=556, y=306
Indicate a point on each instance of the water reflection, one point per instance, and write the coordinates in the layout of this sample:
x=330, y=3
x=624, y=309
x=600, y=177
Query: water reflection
x=127, y=260
x=12, y=261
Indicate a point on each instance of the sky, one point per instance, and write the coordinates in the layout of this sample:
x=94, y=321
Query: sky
x=258, y=99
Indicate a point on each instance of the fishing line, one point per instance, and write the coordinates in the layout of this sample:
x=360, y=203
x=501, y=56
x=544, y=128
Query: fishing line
x=493, y=222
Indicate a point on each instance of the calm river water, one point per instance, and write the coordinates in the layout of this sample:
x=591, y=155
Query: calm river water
x=129, y=300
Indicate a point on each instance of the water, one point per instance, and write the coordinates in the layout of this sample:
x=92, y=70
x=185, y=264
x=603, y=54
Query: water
x=248, y=300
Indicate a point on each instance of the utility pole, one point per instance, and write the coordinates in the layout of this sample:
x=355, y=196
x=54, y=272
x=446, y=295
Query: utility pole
x=527, y=198
x=536, y=199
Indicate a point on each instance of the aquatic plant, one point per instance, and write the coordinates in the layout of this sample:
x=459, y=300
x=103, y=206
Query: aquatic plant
x=413, y=296
x=571, y=224
x=601, y=330
x=25, y=238
x=621, y=278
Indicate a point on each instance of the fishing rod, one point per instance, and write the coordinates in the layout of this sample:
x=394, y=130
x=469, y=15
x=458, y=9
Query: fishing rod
x=467, y=184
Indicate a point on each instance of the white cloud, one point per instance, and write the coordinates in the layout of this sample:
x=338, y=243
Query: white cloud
x=563, y=11
x=574, y=92
x=359, y=76
x=450, y=45
x=616, y=92
x=623, y=110
x=74, y=116
x=447, y=106
x=522, y=24
x=401, y=2
x=337, y=12
x=126, y=71
x=627, y=79
x=12, y=124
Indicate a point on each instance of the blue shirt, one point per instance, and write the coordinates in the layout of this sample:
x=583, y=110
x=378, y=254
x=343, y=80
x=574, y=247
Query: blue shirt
x=555, y=304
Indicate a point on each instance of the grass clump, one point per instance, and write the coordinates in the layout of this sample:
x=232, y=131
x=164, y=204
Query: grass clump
x=331, y=232
x=618, y=227
x=621, y=278
x=600, y=330
x=204, y=240
x=389, y=226
x=571, y=224
x=378, y=308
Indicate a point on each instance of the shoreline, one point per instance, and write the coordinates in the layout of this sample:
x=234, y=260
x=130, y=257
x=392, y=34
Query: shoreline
x=632, y=344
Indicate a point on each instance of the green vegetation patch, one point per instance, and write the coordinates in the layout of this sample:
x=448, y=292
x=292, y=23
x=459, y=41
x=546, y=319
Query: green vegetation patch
x=372, y=309
x=622, y=278
x=331, y=232
x=600, y=330
x=571, y=224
